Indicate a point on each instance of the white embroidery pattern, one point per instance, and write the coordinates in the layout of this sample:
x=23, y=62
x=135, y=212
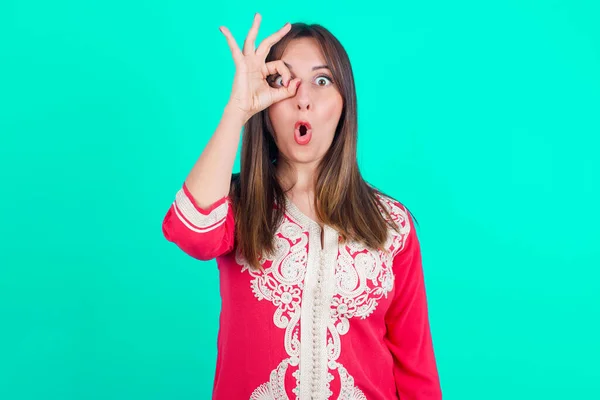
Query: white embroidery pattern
x=348, y=391
x=275, y=388
x=282, y=284
x=362, y=277
x=194, y=219
x=358, y=279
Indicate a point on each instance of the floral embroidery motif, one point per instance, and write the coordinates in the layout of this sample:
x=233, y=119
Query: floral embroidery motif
x=281, y=283
x=349, y=391
x=275, y=388
x=362, y=277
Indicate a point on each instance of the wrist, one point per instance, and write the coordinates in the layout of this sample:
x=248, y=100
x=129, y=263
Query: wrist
x=233, y=113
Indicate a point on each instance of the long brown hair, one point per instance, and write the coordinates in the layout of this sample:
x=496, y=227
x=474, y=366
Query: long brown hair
x=343, y=199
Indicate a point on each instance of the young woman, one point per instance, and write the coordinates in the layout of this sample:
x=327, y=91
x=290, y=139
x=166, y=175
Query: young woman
x=322, y=286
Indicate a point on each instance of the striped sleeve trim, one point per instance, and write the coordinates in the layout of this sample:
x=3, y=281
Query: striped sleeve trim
x=195, y=220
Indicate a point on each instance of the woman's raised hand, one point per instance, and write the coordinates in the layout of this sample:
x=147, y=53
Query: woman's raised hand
x=251, y=93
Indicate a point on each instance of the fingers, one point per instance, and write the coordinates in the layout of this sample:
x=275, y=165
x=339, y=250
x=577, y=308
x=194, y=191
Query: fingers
x=290, y=86
x=235, y=50
x=278, y=67
x=264, y=48
x=285, y=92
x=250, y=39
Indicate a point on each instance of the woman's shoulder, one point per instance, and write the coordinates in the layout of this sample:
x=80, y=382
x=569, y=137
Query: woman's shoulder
x=396, y=208
x=387, y=200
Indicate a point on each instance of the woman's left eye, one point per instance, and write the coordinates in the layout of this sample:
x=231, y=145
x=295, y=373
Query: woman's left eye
x=322, y=77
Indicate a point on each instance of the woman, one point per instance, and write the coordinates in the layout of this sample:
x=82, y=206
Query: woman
x=322, y=286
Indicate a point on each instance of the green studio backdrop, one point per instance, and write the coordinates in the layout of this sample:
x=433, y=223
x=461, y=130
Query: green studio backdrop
x=482, y=117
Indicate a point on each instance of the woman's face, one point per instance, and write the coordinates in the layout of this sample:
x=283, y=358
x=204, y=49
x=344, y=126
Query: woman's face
x=317, y=101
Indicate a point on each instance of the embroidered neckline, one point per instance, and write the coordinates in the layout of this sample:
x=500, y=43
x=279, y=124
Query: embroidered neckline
x=304, y=219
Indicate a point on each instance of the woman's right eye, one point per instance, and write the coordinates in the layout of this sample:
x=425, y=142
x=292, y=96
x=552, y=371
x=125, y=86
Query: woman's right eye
x=277, y=79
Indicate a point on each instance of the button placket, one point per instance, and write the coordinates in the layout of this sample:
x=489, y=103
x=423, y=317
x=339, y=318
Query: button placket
x=314, y=365
x=317, y=319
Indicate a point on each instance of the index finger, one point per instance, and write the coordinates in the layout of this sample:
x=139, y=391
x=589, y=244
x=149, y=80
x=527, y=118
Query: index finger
x=235, y=50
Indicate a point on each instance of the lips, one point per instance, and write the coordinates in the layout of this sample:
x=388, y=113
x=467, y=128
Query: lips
x=302, y=132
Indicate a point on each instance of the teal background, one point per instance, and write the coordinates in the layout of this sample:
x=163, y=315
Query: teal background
x=482, y=117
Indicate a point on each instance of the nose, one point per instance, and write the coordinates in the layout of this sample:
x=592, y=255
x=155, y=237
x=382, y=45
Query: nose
x=302, y=97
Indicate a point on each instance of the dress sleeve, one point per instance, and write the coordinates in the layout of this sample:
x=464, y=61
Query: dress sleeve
x=203, y=233
x=408, y=333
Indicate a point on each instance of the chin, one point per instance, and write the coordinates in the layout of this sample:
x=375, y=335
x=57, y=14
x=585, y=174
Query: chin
x=302, y=154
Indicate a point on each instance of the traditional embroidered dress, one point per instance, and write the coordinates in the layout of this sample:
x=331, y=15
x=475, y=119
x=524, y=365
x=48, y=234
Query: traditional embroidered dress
x=340, y=321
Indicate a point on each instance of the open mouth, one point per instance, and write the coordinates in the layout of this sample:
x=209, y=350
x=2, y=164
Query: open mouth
x=302, y=132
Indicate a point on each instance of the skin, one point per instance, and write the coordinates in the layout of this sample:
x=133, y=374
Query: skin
x=318, y=101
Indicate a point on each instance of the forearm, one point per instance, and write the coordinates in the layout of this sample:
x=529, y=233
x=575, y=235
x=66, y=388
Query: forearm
x=210, y=177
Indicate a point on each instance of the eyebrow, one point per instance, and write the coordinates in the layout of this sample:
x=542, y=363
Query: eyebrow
x=313, y=68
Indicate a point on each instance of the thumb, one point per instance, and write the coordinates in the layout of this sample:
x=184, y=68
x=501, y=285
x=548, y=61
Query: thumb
x=285, y=92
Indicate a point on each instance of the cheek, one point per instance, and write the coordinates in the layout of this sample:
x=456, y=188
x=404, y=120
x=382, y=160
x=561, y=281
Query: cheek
x=276, y=115
x=332, y=110
x=333, y=102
